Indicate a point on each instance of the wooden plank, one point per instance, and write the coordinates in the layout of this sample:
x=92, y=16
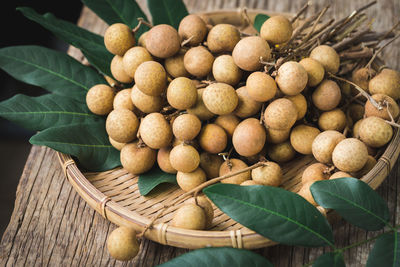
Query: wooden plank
x=51, y=225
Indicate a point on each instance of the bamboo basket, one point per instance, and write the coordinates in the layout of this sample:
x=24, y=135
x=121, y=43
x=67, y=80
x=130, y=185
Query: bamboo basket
x=115, y=194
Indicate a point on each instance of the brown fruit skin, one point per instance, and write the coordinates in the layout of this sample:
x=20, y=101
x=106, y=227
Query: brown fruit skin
x=356, y=128
x=212, y=138
x=246, y=106
x=362, y=76
x=327, y=95
x=175, y=67
x=248, y=52
x=182, y=93
x=137, y=160
x=324, y=144
x=205, y=204
x=142, y=40
x=116, y=144
x=118, y=71
x=220, y=98
x=122, y=125
x=189, y=180
x=123, y=100
x=371, y=110
x=375, y=132
x=190, y=216
x=328, y=58
x=192, y=26
x=277, y=136
x=302, y=137
x=99, y=99
x=133, y=58
x=151, y=78
x=257, y=157
x=186, y=127
x=315, y=172
x=163, y=160
x=222, y=38
x=199, y=109
x=145, y=103
x=163, y=41
x=198, y=61
x=306, y=193
x=280, y=114
x=184, y=158
x=350, y=155
x=332, y=120
x=270, y=174
x=155, y=131
x=122, y=244
x=315, y=71
x=292, y=78
x=249, y=182
x=210, y=164
x=276, y=30
x=228, y=123
x=249, y=137
x=371, y=161
x=237, y=165
x=260, y=86
x=339, y=174
x=225, y=70
x=387, y=82
x=282, y=152
x=118, y=38
x=355, y=111
x=301, y=105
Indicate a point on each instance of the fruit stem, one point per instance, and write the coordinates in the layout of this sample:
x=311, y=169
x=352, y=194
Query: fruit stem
x=379, y=50
x=301, y=11
x=386, y=35
x=185, y=42
x=141, y=21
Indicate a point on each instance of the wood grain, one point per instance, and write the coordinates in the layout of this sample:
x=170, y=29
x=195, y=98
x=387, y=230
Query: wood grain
x=52, y=226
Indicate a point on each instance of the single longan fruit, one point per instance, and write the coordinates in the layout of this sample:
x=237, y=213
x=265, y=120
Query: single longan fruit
x=122, y=125
x=339, y=174
x=205, y=204
x=163, y=160
x=118, y=38
x=249, y=51
x=225, y=70
x=270, y=174
x=99, y=99
x=324, y=144
x=387, y=82
x=246, y=106
x=151, y=78
x=305, y=192
x=384, y=101
x=184, y=158
x=315, y=172
x=375, y=132
x=261, y=87
x=249, y=182
x=362, y=76
x=116, y=144
x=277, y=136
x=350, y=155
x=355, y=111
x=133, y=58
x=118, y=71
x=220, y=98
x=292, y=78
x=231, y=166
x=123, y=100
x=190, y=216
x=315, y=71
x=137, y=159
x=199, y=109
x=155, y=131
x=122, y=244
x=302, y=137
x=332, y=120
x=198, y=61
x=371, y=161
x=301, y=105
x=282, y=152
x=182, y=93
x=223, y=38
x=276, y=30
x=210, y=164
x=186, y=127
x=145, y=103
x=189, y=180
x=175, y=67
x=228, y=123
x=163, y=41
x=327, y=95
x=194, y=28
x=356, y=128
x=212, y=138
x=280, y=114
x=328, y=58
x=142, y=40
x=249, y=137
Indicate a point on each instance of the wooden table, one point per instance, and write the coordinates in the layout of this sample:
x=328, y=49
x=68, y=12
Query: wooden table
x=51, y=225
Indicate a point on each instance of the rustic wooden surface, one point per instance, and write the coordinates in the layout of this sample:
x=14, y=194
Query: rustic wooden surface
x=52, y=226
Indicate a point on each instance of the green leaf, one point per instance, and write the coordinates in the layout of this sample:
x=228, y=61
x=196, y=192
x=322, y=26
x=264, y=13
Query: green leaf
x=52, y=70
x=330, y=259
x=39, y=113
x=259, y=21
x=119, y=11
x=88, y=142
x=149, y=180
x=354, y=200
x=91, y=45
x=219, y=257
x=275, y=213
x=167, y=12
x=386, y=251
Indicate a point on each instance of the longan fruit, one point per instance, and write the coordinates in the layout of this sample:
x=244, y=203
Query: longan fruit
x=302, y=137
x=355, y=111
x=205, y=204
x=249, y=137
x=260, y=86
x=145, y=103
x=198, y=61
x=118, y=38
x=282, y=152
x=231, y=166
x=142, y=40
x=199, y=109
x=324, y=144
x=249, y=182
x=223, y=38
x=225, y=70
x=305, y=192
x=220, y=98
x=384, y=101
x=327, y=95
x=99, y=99
x=213, y=138
x=332, y=120
x=315, y=71
x=362, y=76
x=356, y=128
x=315, y=172
x=270, y=174
x=350, y=155
x=301, y=105
x=123, y=100
x=184, y=158
x=137, y=159
x=249, y=51
x=189, y=180
x=276, y=30
x=277, y=136
x=155, y=131
x=257, y=157
x=194, y=28
x=339, y=174
x=182, y=93
x=118, y=71
x=186, y=127
x=246, y=106
x=115, y=144
x=292, y=78
x=190, y=216
x=387, y=82
x=193, y=143
x=163, y=41
x=133, y=58
x=375, y=132
x=175, y=67
x=122, y=125
x=210, y=164
x=328, y=58
x=122, y=244
x=371, y=161
x=151, y=78
x=228, y=123
x=163, y=160
x=280, y=114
